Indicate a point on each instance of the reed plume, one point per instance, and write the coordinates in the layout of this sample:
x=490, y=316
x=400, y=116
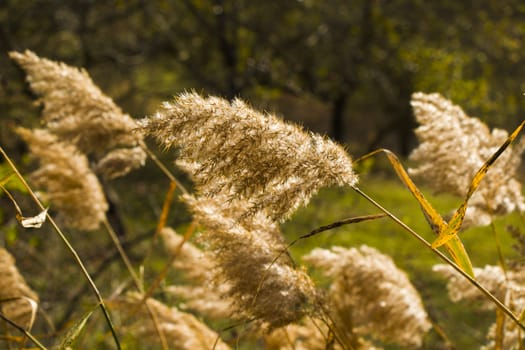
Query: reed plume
x=453, y=147
x=491, y=277
x=182, y=330
x=508, y=286
x=310, y=334
x=269, y=290
x=369, y=295
x=232, y=149
x=71, y=187
x=77, y=111
x=14, y=291
x=200, y=294
x=304, y=335
x=512, y=337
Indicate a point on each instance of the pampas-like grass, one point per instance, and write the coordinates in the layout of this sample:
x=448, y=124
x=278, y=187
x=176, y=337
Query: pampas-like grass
x=512, y=339
x=77, y=111
x=232, y=149
x=509, y=286
x=272, y=292
x=71, y=187
x=369, y=295
x=491, y=277
x=453, y=147
x=308, y=335
x=201, y=294
x=13, y=291
x=182, y=330
x=300, y=336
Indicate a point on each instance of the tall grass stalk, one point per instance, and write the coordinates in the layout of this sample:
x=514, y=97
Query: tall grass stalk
x=137, y=282
x=24, y=331
x=68, y=246
x=165, y=170
x=446, y=259
x=123, y=255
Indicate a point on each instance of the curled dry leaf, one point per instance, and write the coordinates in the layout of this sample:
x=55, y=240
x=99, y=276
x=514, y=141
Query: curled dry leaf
x=32, y=221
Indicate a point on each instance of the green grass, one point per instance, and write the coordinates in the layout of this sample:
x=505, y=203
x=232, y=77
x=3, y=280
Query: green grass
x=464, y=325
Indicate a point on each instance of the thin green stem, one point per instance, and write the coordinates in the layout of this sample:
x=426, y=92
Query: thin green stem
x=443, y=257
x=69, y=247
x=25, y=332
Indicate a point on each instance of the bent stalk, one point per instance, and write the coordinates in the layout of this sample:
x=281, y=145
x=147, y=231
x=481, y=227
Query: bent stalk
x=69, y=247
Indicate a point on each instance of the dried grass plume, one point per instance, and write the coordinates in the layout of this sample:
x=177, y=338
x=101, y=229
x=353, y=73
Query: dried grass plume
x=310, y=334
x=182, y=330
x=71, y=187
x=509, y=286
x=370, y=294
x=13, y=291
x=233, y=149
x=453, y=147
x=272, y=293
x=200, y=292
x=76, y=110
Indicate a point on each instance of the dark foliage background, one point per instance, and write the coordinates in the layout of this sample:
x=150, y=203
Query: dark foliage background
x=344, y=68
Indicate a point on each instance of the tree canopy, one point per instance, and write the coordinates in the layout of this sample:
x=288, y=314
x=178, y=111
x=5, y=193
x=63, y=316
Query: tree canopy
x=347, y=68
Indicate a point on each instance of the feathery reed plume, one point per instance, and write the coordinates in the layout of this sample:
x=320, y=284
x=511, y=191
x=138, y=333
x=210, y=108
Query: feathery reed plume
x=491, y=277
x=71, y=187
x=231, y=148
x=299, y=336
x=182, y=330
x=273, y=293
x=308, y=335
x=512, y=337
x=453, y=147
x=201, y=294
x=509, y=286
x=76, y=110
x=372, y=295
x=13, y=291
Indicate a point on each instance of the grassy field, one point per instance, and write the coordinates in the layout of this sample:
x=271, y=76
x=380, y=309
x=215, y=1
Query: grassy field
x=463, y=324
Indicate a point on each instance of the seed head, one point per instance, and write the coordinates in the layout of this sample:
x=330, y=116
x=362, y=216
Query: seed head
x=232, y=149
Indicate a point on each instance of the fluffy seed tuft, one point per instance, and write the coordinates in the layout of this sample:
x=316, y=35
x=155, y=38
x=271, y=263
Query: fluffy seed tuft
x=71, y=187
x=273, y=293
x=370, y=293
x=13, y=291
x=453, y=147
x=232, y=149
x=77, y=111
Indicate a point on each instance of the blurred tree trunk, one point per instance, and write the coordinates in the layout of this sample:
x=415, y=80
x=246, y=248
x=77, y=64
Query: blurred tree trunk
x=227, y=26
x=337, y=127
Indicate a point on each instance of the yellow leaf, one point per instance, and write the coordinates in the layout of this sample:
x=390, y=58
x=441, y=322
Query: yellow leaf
x=437, y=223
x=455, y=222
x=5, y=180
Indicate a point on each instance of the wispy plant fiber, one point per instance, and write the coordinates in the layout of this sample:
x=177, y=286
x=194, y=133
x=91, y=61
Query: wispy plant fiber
x=509, y=286
x=273, y=293
x=453, y=147
x=70, y=186
x=182, y=330
x=308, y=335
x=232, y=149
x=200, y=292
x=13, y=286
x=76, y=110
x=369, y=295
